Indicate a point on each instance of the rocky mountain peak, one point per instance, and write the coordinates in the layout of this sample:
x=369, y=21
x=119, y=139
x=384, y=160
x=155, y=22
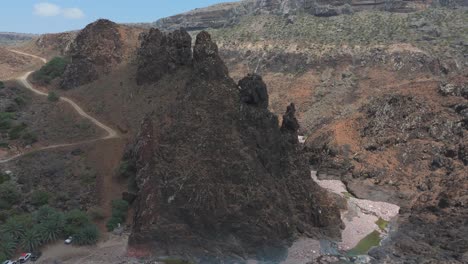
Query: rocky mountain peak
x=161, y=53
x=218, y=180
x=206, y=57
x=97, y=49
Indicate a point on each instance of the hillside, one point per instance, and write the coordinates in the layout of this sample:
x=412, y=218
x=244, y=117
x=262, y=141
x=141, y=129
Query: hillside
x=379, y=92
x=230, y=14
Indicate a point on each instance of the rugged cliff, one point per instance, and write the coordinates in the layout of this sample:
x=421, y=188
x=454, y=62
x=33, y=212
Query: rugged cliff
x=217, y=177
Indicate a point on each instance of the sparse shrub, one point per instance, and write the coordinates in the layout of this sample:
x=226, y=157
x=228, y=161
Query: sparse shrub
x=53, y=97
x=39, y=198
x=51, y=70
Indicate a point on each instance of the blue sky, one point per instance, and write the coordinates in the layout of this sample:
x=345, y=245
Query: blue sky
x=36, y=16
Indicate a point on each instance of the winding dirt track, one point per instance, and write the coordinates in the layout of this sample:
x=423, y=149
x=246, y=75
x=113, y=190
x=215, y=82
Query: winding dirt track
x=23, y=80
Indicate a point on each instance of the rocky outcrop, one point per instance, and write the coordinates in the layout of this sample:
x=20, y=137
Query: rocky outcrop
x=97, y=49
x=253, y=91
x=411, y=151
x=162, y=53
x=218, y=180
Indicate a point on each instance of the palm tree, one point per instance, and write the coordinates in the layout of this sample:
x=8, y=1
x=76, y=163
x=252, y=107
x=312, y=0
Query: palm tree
x=31, y=240
x=14, y=228
x=7, y=245
x=51, y=229
x=51, y=223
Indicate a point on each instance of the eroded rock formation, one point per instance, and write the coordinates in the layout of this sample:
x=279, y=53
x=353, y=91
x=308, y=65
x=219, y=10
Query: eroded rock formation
x=95, y=50
x=217, y=177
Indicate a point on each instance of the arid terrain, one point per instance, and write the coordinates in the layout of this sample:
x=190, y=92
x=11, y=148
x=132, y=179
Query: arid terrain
x=199, y=135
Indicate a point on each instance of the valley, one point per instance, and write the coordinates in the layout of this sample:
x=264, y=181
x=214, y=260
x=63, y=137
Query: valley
x=258, y=131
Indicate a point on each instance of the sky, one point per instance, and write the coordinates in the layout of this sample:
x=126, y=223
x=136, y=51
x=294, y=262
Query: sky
x=36, y=16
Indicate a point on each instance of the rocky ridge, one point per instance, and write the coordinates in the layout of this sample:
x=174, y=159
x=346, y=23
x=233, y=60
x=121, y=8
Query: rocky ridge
x=229, y=14
x=218, y=180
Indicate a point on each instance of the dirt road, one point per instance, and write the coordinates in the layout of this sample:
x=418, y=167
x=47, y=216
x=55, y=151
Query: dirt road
x=23, y=80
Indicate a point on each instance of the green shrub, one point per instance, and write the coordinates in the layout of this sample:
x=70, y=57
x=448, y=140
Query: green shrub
x=53, y=97
x=5, y=120
x=74, y=221
x=113, y=223
x=39, y=198
x=29, y=138
x=20, y=101
x=7, y=246
x=119, y=213
x=16, y=131
x=2, y=85
x=9, y=195
x=51, y=70
x=88, y=235
x=4, y=177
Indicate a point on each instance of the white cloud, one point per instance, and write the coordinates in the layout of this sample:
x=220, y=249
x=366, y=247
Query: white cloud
x=73, y=13
x=48, y=10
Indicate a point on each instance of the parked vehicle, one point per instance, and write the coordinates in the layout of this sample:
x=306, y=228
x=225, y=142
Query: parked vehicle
x=10, y=262
x=24, y=257
x=35, y=256
x=69, y=240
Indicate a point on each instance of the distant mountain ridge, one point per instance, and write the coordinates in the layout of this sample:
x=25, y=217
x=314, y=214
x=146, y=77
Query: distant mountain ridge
x=10, y=38
x=228, y=14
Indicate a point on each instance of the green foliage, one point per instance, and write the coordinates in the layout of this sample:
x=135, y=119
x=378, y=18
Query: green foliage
x=29, y=138
x=371, y=240
x=53, y=97
x=127, y=169
x=40, y=197
x=2, y=85
x=381, y=223
x=51, y=223
x=16, y=131
x=4, y=177
x=88, y=235
x=5, y=120
x=20, y=101
x=119, y=213
x=7, y=246
x=9, y=195
x=74, y=221
x=51, y=70
x=31, y=239
x=113, y=223
x=17, y=225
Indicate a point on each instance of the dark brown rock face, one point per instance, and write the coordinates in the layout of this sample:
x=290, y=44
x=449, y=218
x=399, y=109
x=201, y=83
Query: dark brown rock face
x=253, y=91
x=96, y=49
x=162, y=53
x=218, y=179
